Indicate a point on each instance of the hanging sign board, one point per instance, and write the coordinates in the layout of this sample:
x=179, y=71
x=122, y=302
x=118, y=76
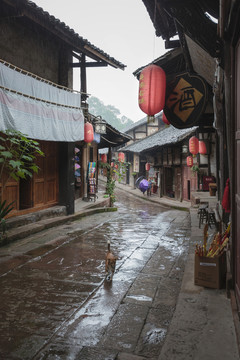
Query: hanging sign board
x=186, y=100
x=136, y=163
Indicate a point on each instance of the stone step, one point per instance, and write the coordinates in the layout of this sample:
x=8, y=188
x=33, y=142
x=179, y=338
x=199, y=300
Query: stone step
x=21, y=232
x=35, y=217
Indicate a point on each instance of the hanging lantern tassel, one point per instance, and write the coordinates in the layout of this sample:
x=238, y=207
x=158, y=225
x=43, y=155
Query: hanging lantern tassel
x=226, y=198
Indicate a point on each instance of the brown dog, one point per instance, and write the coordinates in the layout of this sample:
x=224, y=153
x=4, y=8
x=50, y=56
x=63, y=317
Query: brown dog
x=110, y=264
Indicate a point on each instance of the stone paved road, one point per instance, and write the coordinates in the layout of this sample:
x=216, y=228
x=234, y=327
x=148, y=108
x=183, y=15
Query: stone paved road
x=55, y=304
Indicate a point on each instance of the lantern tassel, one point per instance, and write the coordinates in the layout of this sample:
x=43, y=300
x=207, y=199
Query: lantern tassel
x=150, y=119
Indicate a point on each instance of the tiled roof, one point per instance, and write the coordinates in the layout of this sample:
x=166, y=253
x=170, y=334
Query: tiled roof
x=135, y=124
x=43, y=18
x=171, y=62
x=168, y=136
x=140, y=122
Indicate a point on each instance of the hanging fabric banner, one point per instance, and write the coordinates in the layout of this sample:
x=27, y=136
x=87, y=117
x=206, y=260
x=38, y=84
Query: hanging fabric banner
x=42, y=90
x=39, y=120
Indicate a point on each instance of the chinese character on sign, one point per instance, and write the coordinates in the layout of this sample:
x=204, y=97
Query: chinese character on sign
x=186, y=100
x=183, y=100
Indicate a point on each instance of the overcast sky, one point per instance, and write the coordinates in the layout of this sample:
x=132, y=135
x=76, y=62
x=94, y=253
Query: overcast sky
x=123, y=30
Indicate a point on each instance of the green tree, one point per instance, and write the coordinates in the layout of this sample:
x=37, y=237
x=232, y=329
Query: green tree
x=120, y=171
x=17, y=155
x=109, y=113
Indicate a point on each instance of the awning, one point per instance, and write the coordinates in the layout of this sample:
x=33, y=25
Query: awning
x=39, y=120
x=39, y=109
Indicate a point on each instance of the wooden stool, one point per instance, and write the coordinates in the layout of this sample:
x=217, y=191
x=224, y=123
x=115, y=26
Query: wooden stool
x=203, y=214
x=211, y=217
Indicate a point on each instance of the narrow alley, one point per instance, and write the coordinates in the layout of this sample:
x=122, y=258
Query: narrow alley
x=55, y=303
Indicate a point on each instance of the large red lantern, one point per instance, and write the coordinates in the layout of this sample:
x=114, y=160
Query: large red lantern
x=164, y=119
x=152, y=89
x=193, y=145
x=202, y=147
x=189, y=161
x=147, y=166
x=121, y=157
x=88, y=132
x=104, y=158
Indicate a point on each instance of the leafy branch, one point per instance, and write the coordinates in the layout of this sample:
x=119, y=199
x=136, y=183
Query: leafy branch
x=17, y=155
x=119, y=169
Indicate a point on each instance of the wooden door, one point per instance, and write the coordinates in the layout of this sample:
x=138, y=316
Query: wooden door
x=169, y=181
x=178, y=183
x=236, y=213
x=45, y=182
x=189, y=182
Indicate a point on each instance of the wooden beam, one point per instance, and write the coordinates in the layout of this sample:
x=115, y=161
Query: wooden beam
x=172, y=44
x=89, y=64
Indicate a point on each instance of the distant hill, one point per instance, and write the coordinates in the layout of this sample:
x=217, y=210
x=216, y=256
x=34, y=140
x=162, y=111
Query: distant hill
x=109, y=113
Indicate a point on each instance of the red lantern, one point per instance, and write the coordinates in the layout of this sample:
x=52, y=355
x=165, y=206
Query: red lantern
x=104, y=158
x=88, y=132
x=202, y=147
x=152, y=89
x=193, y=145
x=121, y=157
x=147, y=166
x=164, y=119
x=189, y=161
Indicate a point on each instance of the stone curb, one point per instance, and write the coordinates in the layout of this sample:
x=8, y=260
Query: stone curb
x=30, y=229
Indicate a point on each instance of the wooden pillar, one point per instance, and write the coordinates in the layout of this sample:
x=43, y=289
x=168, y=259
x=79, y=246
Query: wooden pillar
x=83, y=78
x=109, y=155
x=66, y=176
x=65, y=72
x=85, y=167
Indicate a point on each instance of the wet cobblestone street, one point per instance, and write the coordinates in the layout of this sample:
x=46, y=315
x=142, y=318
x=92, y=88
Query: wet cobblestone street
x=55, y=303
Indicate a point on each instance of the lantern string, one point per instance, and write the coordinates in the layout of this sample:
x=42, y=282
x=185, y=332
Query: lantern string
x=154, y=23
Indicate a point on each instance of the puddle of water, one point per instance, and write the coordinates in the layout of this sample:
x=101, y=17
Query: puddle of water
x=155, y=336
x=139, y=297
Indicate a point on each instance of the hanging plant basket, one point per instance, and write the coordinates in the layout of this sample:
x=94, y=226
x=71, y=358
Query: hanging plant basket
x=195, y=169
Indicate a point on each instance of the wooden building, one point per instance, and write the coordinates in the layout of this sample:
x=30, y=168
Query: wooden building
x=210, y=32
x=165, y=152
x=142, y=128
x=38, y=55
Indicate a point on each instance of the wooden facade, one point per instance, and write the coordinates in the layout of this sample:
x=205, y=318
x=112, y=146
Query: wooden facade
x=42, y=189
x=212, y=49
x=45, y=47
x=236, y=206
x=176, y=178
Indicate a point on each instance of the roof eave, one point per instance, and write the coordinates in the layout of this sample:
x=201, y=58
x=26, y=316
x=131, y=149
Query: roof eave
x=59, y=29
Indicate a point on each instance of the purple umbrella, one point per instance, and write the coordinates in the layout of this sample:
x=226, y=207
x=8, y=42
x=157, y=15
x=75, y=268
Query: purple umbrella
x=143, y=185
